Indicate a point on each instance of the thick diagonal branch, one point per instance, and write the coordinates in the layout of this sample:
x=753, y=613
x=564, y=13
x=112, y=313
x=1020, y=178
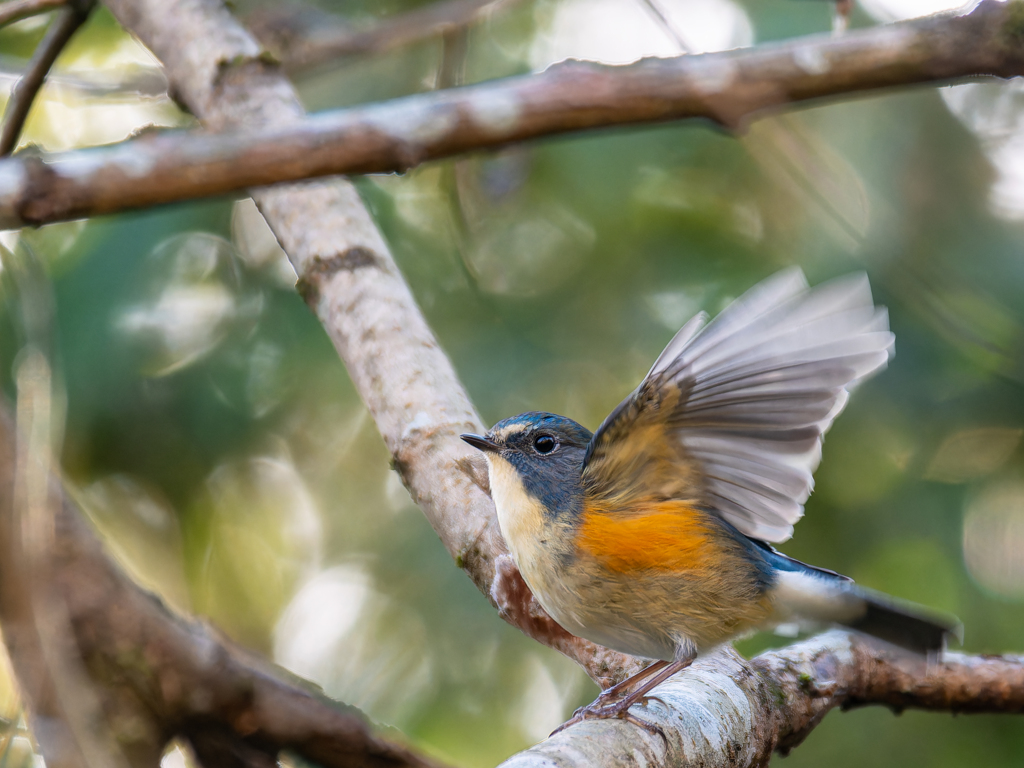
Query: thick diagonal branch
x=727, y=88
x=157, y=675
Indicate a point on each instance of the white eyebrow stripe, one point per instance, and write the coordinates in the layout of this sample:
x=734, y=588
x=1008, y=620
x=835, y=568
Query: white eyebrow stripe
x=505, y=432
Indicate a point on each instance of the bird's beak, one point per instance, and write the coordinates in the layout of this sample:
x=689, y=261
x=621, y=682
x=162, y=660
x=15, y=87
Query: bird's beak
x=483, y=443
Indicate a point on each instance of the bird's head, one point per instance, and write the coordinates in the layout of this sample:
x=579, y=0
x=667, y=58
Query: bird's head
x=541, y=453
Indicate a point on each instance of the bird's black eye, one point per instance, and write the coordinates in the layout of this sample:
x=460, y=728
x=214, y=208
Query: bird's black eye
x=544, y=444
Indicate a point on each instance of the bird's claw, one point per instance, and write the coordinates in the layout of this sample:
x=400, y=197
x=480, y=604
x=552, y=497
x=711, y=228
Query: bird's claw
x=619, y=710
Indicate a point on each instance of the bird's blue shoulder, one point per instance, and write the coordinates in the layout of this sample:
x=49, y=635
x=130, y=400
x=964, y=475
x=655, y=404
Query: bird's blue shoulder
x=780, y=562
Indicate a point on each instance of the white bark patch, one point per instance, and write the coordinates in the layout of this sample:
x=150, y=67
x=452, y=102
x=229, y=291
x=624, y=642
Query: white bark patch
x=410, y=123
x=713, y=77
x=80, y=166
x=421, y=422
x=495, y=112
x=706, y=715
x=811, y=60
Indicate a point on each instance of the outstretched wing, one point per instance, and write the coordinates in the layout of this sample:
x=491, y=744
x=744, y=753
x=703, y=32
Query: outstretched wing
x=732, y=414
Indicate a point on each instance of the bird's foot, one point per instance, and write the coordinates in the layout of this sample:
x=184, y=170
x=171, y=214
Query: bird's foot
x=642, y=682
x=618, y=710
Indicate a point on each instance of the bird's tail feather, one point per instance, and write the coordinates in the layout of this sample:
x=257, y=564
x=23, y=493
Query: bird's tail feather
x=907, y=626
x=814, y=596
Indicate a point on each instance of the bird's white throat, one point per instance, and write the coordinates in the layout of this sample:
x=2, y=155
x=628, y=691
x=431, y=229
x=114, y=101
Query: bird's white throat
x=520, y=516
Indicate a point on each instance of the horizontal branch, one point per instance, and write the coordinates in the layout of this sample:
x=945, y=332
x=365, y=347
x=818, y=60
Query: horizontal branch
x=725, y=711
x=727, y=88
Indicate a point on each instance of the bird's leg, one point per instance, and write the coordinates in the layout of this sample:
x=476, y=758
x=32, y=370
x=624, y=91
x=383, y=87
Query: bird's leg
x=616, y=690
x=598, y=710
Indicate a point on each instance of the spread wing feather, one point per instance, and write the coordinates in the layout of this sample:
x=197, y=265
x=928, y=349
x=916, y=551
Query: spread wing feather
x=735, y=410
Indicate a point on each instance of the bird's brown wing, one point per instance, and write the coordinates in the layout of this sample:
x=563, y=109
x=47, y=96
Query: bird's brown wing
x=732, y=414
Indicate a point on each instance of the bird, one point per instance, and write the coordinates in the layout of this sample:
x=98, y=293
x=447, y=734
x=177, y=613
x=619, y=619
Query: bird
x=653, y=536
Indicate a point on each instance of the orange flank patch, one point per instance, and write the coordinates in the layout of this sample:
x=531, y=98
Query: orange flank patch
x=669, y=536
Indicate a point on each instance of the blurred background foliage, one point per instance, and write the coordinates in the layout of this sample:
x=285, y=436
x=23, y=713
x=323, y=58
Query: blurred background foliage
x=218, y=444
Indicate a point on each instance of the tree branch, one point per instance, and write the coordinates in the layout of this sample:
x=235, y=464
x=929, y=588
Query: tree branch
x=158, y=675
x=60, y=704
x=728, y=88
x=16, y=10
x=725, y=711
x=140, y=82
x=67, y=22
x=304, y=37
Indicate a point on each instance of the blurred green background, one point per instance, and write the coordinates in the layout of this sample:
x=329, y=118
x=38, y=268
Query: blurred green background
x=219, y=445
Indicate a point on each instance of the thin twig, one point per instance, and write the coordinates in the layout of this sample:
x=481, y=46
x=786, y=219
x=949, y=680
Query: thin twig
x=653, y=7
x=730, y=88
x=451, y=73
x=16, y=10
x=66, y=23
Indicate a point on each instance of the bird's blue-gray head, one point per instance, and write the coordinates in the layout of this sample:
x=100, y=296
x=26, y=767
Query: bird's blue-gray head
x=546, y=452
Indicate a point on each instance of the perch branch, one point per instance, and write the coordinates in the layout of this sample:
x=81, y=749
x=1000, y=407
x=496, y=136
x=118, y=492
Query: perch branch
x=728, y=88
x=725, y=711
x=67, y=21
x=304, y=37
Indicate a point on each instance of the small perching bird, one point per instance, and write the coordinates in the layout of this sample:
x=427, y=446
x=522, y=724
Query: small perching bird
x=652, y=536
